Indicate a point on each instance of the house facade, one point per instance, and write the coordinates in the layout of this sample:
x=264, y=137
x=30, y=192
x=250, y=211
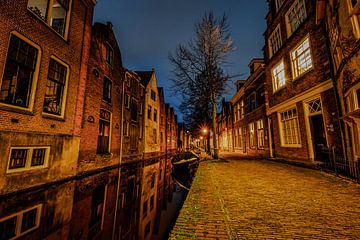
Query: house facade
x=301, y=100
x=250, y=125
x=43, y=72
x=224, y=127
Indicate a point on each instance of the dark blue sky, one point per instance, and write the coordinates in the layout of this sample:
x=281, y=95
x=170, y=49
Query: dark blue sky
x=149, y=30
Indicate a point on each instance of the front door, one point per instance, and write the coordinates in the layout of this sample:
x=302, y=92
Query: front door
x=319, y=138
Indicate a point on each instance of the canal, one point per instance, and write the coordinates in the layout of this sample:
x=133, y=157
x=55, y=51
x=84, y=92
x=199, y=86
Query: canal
x=137, y=201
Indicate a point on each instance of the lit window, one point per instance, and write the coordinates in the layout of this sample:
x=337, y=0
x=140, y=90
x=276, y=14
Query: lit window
x=301, y=60
x=295, y=16
x=260, y=133
x=17, y=83
x=107, y=87
x=20, y=223
x=55, y=87
x=290, y=131
x=242, y=109
x=252, y=135
x=275, y=41
x=278, y=76
x=28, y=158
x=53, y=12
x=354, y=11
x=104, y=132
x=110, y=55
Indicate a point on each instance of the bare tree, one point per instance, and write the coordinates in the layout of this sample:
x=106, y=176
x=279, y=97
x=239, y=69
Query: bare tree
x=198, y=66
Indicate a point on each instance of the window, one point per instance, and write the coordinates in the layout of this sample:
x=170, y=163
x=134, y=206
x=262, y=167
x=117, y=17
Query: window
x=252, y=135
x=252, y=102
x=126, y=101
x=147, y=229
x=154, y=136
x=54, y=12
x=354, y=11
x=161, y=137
x=260, y=133
x=134, y=86
x=103, y=146
x=17, y=87
x=55, y=88
x=155, y=115
x=141, y=109
x=109, y=55
x=20, y=223
x=134, y=110
x=28, y=158
x=275, y=41
x=295, y=16
x=290, y=131
x=97, y=211
x=301, y=60
x=353, y=100
x=107, y=86
x=239, y=138
x=153, y=95
x=149, y=112
x=152, y=180
x=126, y=129
x=278, y=75
x=134, y=136
x=278, y=4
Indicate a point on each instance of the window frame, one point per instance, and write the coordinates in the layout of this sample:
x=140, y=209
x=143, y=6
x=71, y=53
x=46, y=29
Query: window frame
x=35, y=78
x=260, y=137
x=111, y=61
x=65, y=90
x=281, y=128
x=272, y=52
x=107, y=99
x=290, y=31
x=354, y=14
x=48, y=18
x=19, y=217
x=28, y=160
x=252, y=142
x=275, y=84
x=295, y=71
x=109, y=121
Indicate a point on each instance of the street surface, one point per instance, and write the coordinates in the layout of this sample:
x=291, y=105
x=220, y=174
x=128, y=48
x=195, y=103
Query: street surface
x=259, y=199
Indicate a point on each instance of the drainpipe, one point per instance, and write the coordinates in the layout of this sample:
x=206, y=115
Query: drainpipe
x=337, y=98
x=120, y=154
x=270, y=138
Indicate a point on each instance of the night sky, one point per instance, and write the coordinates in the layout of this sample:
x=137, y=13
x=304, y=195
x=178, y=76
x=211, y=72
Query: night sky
x=149, y=30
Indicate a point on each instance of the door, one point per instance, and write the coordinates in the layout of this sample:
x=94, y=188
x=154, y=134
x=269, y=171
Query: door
x=321, y=151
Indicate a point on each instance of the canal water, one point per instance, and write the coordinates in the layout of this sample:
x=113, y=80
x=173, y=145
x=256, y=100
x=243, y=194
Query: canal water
x=137, y=201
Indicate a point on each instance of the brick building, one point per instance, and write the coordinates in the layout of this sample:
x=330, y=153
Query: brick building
x=301, y=100
x=250, y=131
x=43, y=72
x=100, y=132
x=341, y=20
x=162, y=122
x=224, y=127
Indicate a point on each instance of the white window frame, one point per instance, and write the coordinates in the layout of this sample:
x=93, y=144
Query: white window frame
x=252, y=142
x=277, y=32
x=35, y=77
x=354, y=13
x=49, y=18
x=260, y=137
x=295, y=61
x=288, y=25
x=276, y=72
x=28, y=166
x=19, y=219
x=282, y=130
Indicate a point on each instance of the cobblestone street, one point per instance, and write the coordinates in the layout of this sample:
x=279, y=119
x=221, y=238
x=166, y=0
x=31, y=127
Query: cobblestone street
x=259, y=199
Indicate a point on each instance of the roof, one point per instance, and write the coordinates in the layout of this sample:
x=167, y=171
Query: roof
x=145, y=76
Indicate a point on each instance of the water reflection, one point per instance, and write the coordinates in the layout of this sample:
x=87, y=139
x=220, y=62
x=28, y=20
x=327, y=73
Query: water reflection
x=143, y=206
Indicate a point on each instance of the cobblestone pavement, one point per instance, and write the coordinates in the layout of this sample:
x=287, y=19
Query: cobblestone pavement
x=259, y=199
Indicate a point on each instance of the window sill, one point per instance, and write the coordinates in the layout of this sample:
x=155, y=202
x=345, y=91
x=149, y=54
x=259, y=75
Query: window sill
x=22, y=170
x=292, y=146
x=53, y=117
x=48, y=26
x=279, y=89
x=16, y=109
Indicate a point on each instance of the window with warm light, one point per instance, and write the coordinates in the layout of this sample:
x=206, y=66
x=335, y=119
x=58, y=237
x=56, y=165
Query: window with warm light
x=278, y=76
x=354, y=12
x=301, y=59
x=54, y=12
x=252, y=135
x=289, y=125
x=295, y=16
x=260, y=133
